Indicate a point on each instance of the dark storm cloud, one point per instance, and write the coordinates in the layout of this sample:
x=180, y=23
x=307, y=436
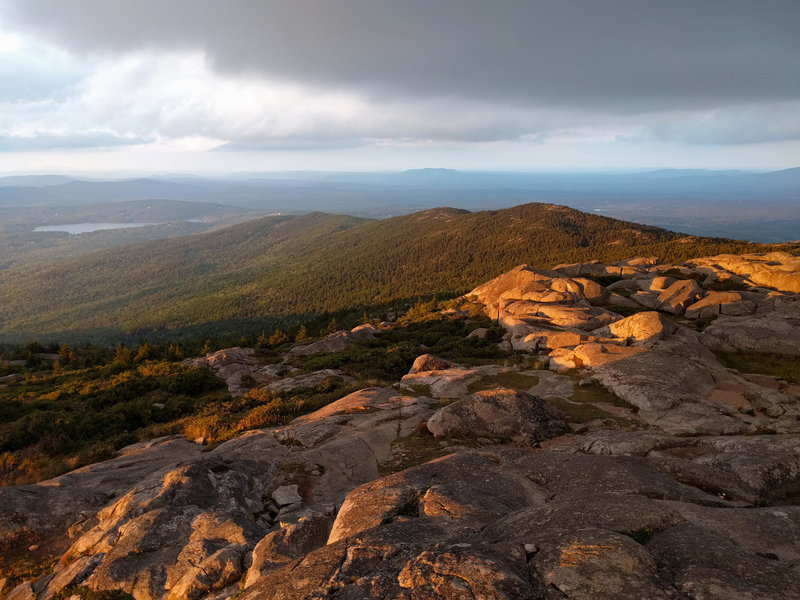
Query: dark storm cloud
x=610, y=56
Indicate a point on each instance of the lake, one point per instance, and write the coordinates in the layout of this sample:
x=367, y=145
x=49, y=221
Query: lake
x=77, y=228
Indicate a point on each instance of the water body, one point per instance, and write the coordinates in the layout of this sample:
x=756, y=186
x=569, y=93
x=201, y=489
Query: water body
x=78, y=228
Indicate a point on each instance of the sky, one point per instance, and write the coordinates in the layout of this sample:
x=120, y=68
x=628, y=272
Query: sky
x=206, y=86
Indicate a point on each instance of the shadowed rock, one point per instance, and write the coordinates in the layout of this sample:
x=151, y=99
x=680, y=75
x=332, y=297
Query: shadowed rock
x=499, y=414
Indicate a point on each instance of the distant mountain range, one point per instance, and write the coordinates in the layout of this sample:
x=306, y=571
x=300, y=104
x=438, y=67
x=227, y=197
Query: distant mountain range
x=754, y=206
x=290, y=266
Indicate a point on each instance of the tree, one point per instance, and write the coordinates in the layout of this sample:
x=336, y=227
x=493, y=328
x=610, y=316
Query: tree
x=278, y=338
x=65, y=354
x=263, y=341
x=143, y=353
x=123, y=355
x=333, y=327
x=174, y=352
x=206, y=350
x=302, y=334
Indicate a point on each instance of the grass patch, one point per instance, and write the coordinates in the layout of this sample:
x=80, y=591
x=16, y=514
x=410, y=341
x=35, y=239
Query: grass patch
x=411, y=451
x=19, y=568
x=581, y=412
x=416, y=390
x=511, y=379
x=586, y=405
x=51, y=423
x=85, y=593
x=746, y=361
x=390, y=354
x=594, y=393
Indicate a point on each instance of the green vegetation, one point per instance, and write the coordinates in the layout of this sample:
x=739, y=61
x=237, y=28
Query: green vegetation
x=220, y=421
x=297, y=267
x=80, y=405
x=784, y=367
x=590, y=402
x=512, y=380
x=85, y=593
x=386, y=358
x=58, y=421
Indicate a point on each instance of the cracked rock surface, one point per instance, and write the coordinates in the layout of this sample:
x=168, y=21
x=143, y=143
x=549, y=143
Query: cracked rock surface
x=629, y=463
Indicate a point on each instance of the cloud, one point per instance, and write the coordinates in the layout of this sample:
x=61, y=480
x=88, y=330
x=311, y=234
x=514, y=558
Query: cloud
x=322, y=75
x=175, y=94
x=620, y=55
x=70, y=140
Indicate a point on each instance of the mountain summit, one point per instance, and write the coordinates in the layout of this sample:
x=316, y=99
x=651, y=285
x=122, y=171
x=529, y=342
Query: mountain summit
x=599, y=455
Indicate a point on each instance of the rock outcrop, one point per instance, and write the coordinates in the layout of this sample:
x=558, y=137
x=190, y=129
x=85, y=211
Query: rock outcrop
x=501, y=415
x=628, y=463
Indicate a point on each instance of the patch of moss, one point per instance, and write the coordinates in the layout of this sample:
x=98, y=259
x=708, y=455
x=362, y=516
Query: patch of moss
x=596, y=393
x=510, y=379
x=579, y=412
x=412, y=450
x=587, y=404
x=85, y=593
x=746, y=361
x=416, y=390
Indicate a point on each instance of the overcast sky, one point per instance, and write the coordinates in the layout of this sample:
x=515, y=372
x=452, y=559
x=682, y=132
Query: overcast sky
x=213, y=86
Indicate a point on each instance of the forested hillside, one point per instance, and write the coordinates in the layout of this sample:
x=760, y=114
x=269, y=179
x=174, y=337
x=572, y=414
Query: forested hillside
x=291, y=265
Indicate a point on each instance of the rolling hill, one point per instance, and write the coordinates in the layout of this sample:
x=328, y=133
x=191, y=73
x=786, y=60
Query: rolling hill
x=314, y=263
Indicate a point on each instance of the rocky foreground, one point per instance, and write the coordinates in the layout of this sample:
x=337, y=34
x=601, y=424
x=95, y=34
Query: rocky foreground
x=623, y=460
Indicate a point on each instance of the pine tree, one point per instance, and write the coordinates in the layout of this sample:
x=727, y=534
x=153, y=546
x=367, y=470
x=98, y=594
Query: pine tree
x=123, y=355
x=277, y=338
x=263, y=341
x=143, y=353
x=302, y=334
x=333, y=327
x=174, y=352
x=65, y=354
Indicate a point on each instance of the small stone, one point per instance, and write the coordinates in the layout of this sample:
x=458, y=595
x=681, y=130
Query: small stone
x=286, y=495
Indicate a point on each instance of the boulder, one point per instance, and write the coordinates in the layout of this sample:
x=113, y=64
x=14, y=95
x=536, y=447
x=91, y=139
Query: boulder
x=427, y=363
x=768, y=333
x=288, y=543
x=286, y=494
x=584, y=318
x=717, y=303
x=448, y=383
x=642, y=329
x=590, y=355
x=306, y=380
x=499, y=414
x=679, y=295
x=337, y=341
x=777, y=270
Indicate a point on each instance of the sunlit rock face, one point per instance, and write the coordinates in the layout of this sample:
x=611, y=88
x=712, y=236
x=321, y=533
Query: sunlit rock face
x=610, y=454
